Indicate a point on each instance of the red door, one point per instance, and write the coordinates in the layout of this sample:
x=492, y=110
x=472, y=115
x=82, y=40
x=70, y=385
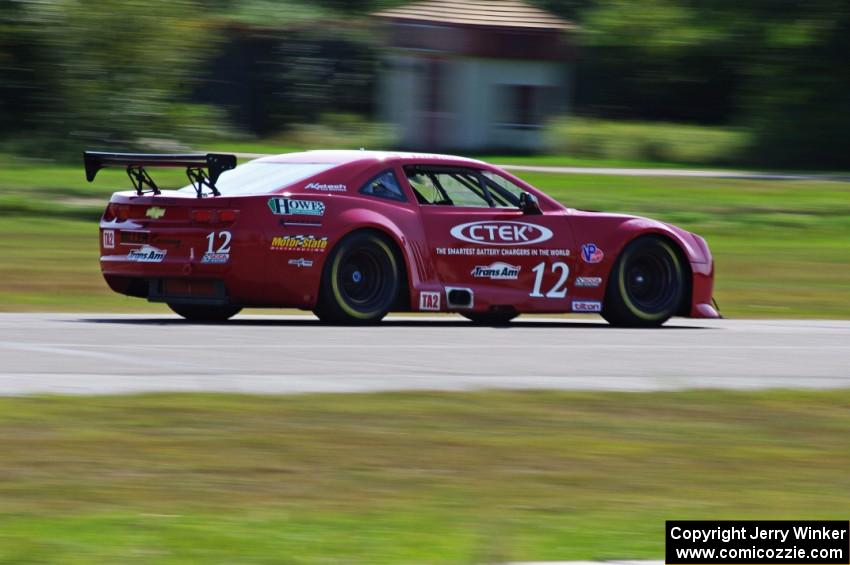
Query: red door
x=504, y=256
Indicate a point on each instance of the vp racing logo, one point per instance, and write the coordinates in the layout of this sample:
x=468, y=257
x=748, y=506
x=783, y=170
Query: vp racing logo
x=591, y=253
x=507, y=234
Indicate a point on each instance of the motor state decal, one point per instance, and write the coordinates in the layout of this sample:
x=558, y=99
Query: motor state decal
x=147, y=254
x=429, y=301
x=501, y=233
x=308, y=243
x=590, y=253
x=586, y=306
x=296, y=207
x=497, y=272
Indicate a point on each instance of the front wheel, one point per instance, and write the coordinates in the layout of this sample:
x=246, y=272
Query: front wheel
x=647, y=284
x=202, y=313
x=361, y=280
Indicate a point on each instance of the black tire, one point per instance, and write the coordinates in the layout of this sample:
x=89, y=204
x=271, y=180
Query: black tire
x=203, y=313
x=361, y=280
x=499, y=318
x=647, y=284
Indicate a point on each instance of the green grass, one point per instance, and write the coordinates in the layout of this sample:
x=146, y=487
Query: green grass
x=406, y=478
x=782, y=247
x=647, y=141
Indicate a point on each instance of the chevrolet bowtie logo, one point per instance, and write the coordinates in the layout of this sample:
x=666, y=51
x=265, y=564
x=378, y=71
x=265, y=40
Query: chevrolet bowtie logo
x=155, y=212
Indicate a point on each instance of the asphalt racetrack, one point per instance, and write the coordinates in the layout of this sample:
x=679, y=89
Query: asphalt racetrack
x=111, y=354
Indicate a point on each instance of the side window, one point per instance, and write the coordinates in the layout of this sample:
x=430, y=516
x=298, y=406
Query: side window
x=444, y=186
x=505, y=193
x=385, y=185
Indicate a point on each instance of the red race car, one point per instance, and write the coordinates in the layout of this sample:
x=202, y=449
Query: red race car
x=353, y=235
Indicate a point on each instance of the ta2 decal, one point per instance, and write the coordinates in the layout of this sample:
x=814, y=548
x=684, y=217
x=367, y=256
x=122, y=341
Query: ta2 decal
x=429, y=301
x=109, y=239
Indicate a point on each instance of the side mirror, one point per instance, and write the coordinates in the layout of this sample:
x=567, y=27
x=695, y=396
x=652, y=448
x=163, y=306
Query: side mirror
x=528, y=203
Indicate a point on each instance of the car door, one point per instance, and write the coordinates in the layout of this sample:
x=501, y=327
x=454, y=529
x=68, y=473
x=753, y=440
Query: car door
x=481, y=240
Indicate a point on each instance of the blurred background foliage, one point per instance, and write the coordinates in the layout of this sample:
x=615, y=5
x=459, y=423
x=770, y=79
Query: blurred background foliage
x=762, y=82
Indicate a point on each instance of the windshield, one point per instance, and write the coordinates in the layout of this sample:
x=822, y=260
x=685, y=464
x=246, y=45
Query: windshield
x=262, y=178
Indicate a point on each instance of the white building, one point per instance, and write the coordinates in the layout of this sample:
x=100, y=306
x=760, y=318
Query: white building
x=474, y=75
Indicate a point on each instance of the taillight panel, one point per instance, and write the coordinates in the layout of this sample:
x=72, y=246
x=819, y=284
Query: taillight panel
x=213, y=216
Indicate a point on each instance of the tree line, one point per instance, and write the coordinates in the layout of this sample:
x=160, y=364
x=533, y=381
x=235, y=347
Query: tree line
x=115, y=72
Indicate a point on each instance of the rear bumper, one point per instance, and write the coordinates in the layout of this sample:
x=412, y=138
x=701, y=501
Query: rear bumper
x=177, y=281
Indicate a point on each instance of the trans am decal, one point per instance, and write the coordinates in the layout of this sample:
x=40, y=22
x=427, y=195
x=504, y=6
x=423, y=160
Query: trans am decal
x=501, y=233
x=300, y=243
x=147, y=254
x=590, y=253
x=296, y=207
x=496, y=271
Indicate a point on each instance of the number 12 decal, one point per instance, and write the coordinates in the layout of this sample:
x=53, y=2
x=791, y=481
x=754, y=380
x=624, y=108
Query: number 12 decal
x=560, y=288
x=225, y=238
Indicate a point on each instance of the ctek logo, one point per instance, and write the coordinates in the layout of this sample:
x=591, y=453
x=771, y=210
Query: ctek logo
x=501, y=233
x=496, y=272
x=155, y=212
x=326, y=187
x=292, y=207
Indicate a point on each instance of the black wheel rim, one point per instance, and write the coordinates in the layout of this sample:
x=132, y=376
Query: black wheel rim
x=362, y=278
x=651, y=280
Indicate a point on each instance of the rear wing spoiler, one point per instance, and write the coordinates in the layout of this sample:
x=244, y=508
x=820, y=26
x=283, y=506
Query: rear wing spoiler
x=135, y=163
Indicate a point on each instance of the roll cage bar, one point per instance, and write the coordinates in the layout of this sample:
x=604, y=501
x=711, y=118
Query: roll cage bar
x=460, y=174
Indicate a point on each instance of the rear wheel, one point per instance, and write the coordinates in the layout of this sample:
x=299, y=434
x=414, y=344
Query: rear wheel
x=498, y=318
x=203, y=313
x=361, y=280
x=647, y=284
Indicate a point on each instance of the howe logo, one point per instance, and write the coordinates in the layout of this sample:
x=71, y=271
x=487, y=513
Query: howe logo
x=501, y=233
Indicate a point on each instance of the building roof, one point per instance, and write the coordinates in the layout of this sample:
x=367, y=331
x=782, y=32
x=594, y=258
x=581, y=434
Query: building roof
x=489, y=13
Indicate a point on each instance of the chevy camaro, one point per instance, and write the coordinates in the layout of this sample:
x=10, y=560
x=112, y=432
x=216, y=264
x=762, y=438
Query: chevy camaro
x=353, y=235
